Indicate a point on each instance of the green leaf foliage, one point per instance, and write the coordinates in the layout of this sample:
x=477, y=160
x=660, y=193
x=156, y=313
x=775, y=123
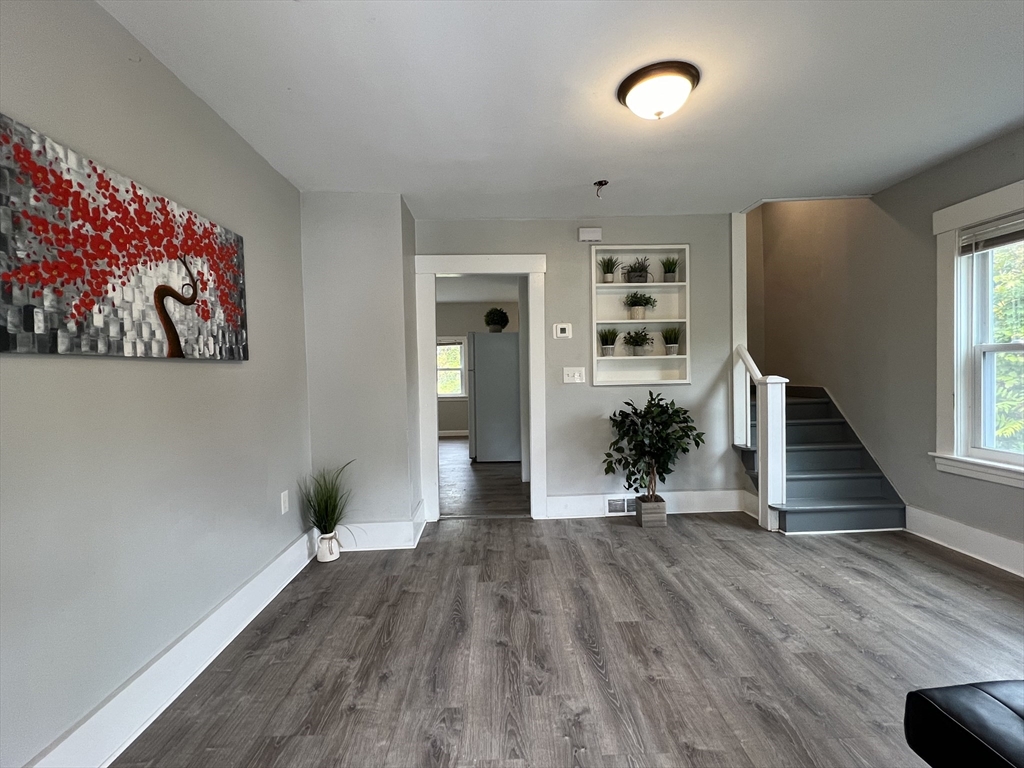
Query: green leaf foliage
x=639, y=266
x=669, y=264
x=670, y=335
x=324, y=499
x=496, y=316
x=648, y=442
x=608, y=264
x=637, y=299
x=640, y=338
x=608, y=336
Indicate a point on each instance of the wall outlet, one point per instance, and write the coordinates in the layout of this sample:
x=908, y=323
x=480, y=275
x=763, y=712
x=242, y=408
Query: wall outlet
x=284, y=502
x=574, y=375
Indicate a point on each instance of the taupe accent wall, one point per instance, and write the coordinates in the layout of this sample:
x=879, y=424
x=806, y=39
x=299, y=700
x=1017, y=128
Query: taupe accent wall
x=136, y=495
x=850, y=304
x=458, y=319
x=755, y=286
x=578, y=431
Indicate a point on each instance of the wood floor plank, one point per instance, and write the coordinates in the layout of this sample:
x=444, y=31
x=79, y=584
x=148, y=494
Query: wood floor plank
x=510, y=643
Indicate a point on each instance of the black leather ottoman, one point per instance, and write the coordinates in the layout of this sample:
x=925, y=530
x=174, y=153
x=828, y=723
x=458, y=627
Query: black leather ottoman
x=976, y=725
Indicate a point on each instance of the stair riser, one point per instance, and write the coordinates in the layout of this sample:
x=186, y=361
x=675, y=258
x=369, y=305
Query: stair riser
x=834, y=488
x=802, y=411
x=867, y=519
x=797, y=461
x=804, y=434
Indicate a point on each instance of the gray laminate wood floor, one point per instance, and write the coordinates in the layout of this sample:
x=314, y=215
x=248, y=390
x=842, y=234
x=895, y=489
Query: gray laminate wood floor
x=597, y=643
x=478, y=489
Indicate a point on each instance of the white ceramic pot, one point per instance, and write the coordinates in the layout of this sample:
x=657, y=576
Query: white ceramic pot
x=670, y=277
x=671, y=349
x=638, y=313
x=609, y=277
x=608, y=351
x=327, y=547
x=639, y=351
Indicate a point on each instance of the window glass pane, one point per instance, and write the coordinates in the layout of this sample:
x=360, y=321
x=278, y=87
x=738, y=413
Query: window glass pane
x=449, y=355
x=1006, y=293
x=1003, y=385
x=449, y=382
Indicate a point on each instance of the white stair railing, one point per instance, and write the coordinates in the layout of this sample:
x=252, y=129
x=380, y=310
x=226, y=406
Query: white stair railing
x=771, y=432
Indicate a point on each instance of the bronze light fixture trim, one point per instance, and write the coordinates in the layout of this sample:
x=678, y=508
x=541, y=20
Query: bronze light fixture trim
x=658, y=90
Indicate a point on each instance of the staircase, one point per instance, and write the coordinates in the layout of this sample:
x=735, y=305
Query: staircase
x=832, y=483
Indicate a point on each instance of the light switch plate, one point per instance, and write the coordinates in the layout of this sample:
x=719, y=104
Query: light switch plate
x=284, y=502
x=562, y=330
x=574, y=375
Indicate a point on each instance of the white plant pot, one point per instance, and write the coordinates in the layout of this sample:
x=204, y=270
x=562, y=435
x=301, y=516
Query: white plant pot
x=639, y=351
x=637, y=313
x=327, y=547
x=670, y=277
x=671, y=349
x=609, y=277
x=608, y=351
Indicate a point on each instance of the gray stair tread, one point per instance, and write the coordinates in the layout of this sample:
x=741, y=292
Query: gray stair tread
x=797, y=399
x=824, y=447
x=876, y=502
x=826, y=474
x=822, y=420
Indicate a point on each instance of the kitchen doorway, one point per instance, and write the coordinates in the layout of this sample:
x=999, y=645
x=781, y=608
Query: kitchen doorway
x=496, y=465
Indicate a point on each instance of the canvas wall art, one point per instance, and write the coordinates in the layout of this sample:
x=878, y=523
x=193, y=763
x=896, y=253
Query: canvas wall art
x=91, y=263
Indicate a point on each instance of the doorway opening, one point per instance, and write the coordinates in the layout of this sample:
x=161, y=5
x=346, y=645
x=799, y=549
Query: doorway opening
x=481, y=404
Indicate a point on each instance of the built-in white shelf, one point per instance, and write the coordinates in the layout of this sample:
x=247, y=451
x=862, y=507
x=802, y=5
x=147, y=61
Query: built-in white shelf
x=672, y=309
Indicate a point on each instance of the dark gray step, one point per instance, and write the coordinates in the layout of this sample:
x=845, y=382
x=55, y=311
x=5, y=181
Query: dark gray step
x=803, y=408
x=832, y=484
x=822, y=456
x=809, y=515
x=804, y=431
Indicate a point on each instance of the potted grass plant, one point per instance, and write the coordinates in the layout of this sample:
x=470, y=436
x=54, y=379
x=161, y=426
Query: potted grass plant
x=638, y=341
x=607, y=337
x=324, y=501
x=648, y=442
x=496, y=319
x=609, y=265
x=669, y=265
x=670, y=336
x=637, y=303
x=638, y=270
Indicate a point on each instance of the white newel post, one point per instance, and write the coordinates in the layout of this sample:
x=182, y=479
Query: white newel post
x=771, y=449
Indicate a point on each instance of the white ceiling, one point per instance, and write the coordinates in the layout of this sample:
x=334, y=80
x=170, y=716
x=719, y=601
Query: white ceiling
x=477, y=288
x=490, y=109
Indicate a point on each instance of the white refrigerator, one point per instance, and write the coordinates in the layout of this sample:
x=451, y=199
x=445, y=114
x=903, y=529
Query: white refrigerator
x=492, y=361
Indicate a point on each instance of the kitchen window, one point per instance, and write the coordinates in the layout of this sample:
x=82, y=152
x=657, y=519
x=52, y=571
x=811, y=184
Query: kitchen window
x=451, y=366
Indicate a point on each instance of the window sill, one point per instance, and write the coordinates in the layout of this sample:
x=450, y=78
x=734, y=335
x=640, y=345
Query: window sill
x=1005, y=474
x=453, y=397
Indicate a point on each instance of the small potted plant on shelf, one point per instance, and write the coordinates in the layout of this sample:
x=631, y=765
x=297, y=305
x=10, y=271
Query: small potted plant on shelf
x=647, y=443
x=324, y=502
x=669, y=265
x=496, y=319
x=638, y=270
x=607, y=337
x=671, y=338
x=638, y=303
x=609, y=265
x=638, y=341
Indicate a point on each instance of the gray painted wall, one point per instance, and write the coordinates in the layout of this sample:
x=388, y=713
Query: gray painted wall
x=354, y=273
x=135, y=495
x=850, y=302
x=458, y=319
x=578, y=429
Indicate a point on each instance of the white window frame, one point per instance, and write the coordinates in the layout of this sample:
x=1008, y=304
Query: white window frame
x=465, y=380
x=958, y=395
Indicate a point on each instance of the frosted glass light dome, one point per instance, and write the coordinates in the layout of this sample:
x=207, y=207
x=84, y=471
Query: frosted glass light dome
x=659, y=90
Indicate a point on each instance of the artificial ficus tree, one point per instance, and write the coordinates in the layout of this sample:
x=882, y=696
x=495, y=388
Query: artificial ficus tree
x=648, y=441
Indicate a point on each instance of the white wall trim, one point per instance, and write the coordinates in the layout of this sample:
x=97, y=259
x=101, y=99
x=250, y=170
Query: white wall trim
x=428, y=267
x=453, y=433
x=108, y=730
x=676, y=503
x=845, y=530
x=419, y=522
x=979, y=469
x=373, y=535
x=740, y=388
x=990, y=205
x=981, y=545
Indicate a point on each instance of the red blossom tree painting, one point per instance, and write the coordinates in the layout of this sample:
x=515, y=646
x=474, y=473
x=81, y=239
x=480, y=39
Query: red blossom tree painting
x=93, y=263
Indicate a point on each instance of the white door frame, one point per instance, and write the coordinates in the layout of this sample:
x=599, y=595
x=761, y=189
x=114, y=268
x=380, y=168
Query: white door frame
x=428, y=267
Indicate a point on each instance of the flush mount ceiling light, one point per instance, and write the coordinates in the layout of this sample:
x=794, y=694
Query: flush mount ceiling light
x=658, y=90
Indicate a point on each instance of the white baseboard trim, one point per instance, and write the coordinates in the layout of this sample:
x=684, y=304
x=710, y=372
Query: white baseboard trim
x=453, y=433
x=981, y=545
x=419, y=522
x=847, y=530
x=676, y=503
x=371, y=536
x=108, y=730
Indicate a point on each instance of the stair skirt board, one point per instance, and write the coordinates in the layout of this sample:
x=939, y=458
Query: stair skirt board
x=833, y=485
